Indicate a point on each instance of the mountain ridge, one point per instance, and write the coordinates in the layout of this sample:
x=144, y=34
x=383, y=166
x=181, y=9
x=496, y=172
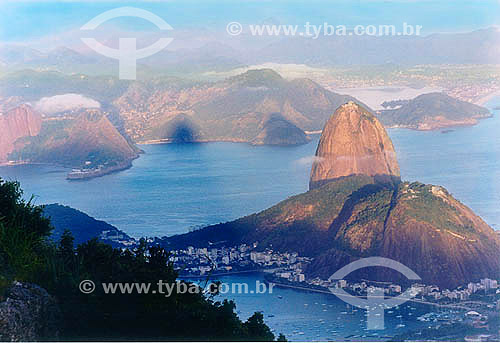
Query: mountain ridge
x=231, y=109
x=433, y=111
x=88, y=138
x=473, y=47
x=18, y=122
x=82, y=226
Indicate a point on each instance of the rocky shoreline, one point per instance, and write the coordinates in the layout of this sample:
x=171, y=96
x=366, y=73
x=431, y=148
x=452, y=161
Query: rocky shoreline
x=435, y=125
x=219, y=140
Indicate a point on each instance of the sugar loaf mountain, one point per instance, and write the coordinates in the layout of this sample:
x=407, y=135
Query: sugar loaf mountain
x=357, y=206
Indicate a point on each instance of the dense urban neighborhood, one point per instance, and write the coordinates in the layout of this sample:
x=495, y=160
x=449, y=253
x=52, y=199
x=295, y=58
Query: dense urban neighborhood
x=288, y=268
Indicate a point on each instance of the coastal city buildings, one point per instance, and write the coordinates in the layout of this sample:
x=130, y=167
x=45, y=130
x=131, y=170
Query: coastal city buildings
x=289, y=269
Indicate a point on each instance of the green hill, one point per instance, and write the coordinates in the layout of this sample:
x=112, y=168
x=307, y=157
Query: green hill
x=433, y=111
x=89, y=137
x=235, y=109
x=82, y=226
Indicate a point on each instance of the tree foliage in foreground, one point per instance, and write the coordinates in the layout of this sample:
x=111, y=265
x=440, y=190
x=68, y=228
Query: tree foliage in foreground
x=27, y=255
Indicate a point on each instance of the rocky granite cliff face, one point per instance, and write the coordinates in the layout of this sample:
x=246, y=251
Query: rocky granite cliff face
x=354, y=215
x=28, y=314
x=354, y=142
x=90, y=137
x=21, y=121
x=421, y=226
x=93, y=131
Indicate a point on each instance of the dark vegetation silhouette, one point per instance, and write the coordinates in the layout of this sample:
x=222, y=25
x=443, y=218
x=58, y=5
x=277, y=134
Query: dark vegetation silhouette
x=27, y=255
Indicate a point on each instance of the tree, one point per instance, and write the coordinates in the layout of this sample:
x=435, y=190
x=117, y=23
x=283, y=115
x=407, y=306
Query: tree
x=23, y=230
x=23, y=215
x=282, y=338
x=256, y=328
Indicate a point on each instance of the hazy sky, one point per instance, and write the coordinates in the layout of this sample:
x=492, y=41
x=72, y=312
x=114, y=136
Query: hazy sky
x=32, y=20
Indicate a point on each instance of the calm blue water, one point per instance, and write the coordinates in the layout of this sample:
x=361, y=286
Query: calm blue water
x=174, y=187
x=309, y=316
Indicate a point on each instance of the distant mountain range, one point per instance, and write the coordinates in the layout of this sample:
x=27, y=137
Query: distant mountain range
x=354, y=213
x=476, y=47
x=257, y=107
x=433, y=111
x=235, y=109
